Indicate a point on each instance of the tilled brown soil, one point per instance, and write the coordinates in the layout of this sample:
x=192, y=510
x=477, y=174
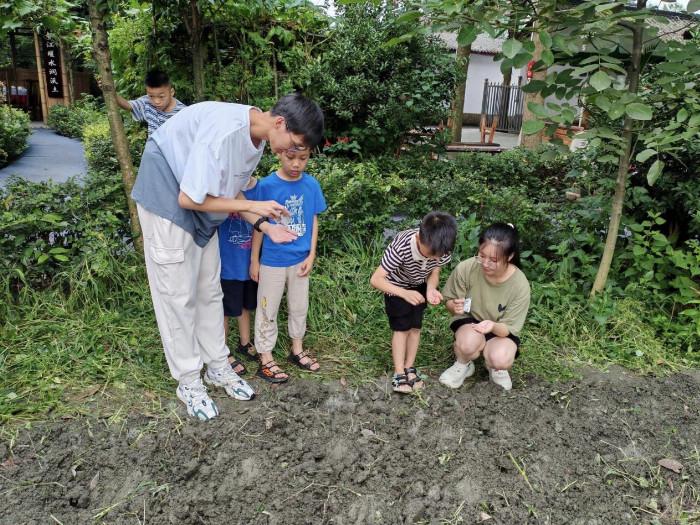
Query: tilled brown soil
x=582, y=452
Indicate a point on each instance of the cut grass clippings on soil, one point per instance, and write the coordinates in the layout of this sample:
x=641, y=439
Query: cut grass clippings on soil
x=92, y=335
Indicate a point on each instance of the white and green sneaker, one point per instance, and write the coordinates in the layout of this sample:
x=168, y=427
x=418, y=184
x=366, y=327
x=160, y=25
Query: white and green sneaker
x=197, y=401
x=230, y=381
x=500, y=378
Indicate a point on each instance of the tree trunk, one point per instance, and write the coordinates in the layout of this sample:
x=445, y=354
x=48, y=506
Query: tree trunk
x=197, y=50
x=463, y=53
x=100, y=49
x=623, y=164
x=534, y=140
x=43, y=92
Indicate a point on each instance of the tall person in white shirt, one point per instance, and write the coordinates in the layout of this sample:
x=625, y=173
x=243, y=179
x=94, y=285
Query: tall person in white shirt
x=192, y=172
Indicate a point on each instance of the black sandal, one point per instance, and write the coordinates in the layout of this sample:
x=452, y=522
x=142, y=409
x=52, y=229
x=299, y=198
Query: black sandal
x=297, y=358
x=265, y=372
x=247, y=350
x=236, y=363
x=417, y=382
x=399, y=381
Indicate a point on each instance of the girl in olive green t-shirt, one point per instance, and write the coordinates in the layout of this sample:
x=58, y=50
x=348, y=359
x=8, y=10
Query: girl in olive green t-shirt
x=488, y=296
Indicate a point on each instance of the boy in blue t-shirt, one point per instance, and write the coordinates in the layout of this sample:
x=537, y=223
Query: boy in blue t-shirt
x=288, y=264
x=240, y=291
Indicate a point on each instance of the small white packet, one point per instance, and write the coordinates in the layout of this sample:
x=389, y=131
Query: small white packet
x=467, y=305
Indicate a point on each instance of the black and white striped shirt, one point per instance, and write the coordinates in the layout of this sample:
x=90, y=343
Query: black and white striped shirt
x=143, y=111
x=405, y=265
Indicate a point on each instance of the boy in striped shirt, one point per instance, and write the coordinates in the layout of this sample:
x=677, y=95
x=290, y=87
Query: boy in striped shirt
x=409, y=275
x=157, y=105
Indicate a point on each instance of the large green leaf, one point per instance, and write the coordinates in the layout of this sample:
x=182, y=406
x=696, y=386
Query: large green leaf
x=545, y=39
x=532, y=126
x=537, y=109
x=547, y=57
x=600, y=80
x=511, y=47
x=645, y=155
x=655, y=172
x=467, y=35
x=639, y=111
x=534, y=86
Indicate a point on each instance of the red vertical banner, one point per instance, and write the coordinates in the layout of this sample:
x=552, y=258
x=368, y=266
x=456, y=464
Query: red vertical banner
x=51, y=56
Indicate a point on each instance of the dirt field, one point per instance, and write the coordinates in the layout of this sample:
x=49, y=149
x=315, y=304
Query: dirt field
x=583, y=452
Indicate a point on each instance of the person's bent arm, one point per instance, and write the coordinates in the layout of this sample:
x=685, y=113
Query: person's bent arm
x=380, y=282
x=491, y=327
x=251, y=211
x=432, y=293
x=123, y=103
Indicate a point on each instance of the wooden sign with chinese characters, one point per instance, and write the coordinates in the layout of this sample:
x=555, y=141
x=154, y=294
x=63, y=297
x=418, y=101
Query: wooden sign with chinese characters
x=52, y=68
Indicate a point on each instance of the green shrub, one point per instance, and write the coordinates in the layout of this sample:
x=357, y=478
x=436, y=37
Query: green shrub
x=48, y=227
x=99, y=148
x=373, y=94
x=70, y=121
x=14, y=130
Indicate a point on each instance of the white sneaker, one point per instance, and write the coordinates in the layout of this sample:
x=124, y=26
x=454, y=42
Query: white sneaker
x=500, y=378
x=230, y=381
x=454, y=376
x=197, y=401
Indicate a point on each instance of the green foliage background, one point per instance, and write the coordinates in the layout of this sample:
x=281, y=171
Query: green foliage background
x=14, y=131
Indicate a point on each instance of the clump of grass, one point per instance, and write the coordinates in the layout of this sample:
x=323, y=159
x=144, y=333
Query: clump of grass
x=86, y=330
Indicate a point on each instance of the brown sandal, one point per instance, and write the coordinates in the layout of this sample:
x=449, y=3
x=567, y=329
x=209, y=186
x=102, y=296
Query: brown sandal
x=265, y=372
x=297, y=358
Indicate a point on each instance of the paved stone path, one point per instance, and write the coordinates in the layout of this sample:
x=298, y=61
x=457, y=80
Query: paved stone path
x=48, y=157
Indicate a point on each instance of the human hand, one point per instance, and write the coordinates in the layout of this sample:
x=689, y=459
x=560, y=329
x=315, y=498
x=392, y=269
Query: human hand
x=268, y=209
x=484, y=327
x=306, y=266
x=255, y=270
x=434, y=297
x=279, y=233
x=413, y=297
x=456, y=306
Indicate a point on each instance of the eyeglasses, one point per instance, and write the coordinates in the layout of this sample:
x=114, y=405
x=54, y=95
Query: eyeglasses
x=485, y=262
x=295, y=148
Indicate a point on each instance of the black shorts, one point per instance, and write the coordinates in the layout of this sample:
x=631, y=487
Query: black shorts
x=455, y=325
x=402, y=315
x=239, y=295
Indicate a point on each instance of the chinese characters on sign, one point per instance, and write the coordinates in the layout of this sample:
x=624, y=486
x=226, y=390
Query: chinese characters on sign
x=52, y=68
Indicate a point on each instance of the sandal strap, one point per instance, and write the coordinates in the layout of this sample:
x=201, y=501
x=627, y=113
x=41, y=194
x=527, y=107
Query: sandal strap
x=301, y=355
x=399, y=379
x=412, y=370
x=266, y=369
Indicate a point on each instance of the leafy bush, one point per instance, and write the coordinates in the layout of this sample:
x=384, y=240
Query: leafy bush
x=48, y=227
x=14, y=130
x=372, y=95
x=99, y=148
x=387, y=193
x=70, y=121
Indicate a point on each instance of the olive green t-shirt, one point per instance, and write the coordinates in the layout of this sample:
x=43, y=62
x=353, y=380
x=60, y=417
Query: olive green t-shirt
x=505, y=303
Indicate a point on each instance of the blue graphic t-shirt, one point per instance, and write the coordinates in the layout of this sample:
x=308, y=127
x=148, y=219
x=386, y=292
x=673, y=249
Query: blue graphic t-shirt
x=235, y=242
x=304, y=199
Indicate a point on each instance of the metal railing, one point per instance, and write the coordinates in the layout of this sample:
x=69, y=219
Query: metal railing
x=504, y=103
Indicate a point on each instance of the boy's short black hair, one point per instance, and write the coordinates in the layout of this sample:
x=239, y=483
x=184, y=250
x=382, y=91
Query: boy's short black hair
x=438, y=232
x=157, y=78
x=303, y=117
